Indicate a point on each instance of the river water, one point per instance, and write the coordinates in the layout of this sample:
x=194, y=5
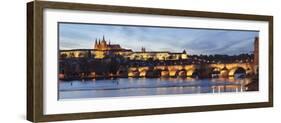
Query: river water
x=147, y=86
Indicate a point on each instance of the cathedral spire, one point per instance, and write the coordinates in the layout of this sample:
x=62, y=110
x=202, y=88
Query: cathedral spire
x=103, y=38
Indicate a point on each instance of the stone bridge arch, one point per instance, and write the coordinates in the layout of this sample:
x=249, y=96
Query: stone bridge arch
x=122, y=72
x=228, y=70
x=165, y=73
x=223, y=70
x=232, y=71
x=181, y=73
x=192, y=72
x=133, y=72
x=247, y=71
x=143, y=71
x=232, y=68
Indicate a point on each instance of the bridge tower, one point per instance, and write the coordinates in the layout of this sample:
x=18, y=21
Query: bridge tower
x=256, y=55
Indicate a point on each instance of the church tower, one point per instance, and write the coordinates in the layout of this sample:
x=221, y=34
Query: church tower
x=103, y=44
x=96, y=44
x=256, y=51
x=256, y=55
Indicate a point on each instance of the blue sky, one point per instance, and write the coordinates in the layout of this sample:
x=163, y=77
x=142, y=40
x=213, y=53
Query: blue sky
x=194, y=41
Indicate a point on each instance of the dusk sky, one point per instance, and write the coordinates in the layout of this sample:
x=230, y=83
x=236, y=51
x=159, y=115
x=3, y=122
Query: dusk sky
x=194, y=41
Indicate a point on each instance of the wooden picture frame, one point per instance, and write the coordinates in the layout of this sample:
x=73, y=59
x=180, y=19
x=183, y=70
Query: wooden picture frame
x=35, y=62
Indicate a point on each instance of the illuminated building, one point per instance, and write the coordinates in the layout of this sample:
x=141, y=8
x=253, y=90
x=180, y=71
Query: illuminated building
x=103, y=48
x=162, y=55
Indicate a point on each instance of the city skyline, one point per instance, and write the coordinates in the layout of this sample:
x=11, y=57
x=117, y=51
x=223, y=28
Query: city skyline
x=194, y=41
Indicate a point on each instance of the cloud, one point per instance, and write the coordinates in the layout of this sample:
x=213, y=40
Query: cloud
x=195, y=41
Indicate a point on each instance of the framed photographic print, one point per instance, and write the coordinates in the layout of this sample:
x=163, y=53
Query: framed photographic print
x=96, y=61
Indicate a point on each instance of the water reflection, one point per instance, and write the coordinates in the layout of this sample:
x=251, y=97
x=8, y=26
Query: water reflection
x=148, y=86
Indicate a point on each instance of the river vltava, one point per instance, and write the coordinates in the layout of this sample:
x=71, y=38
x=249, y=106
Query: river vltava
x=147, y=86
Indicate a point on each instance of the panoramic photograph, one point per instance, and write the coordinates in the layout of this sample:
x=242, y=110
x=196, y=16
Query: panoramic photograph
x=106, y=61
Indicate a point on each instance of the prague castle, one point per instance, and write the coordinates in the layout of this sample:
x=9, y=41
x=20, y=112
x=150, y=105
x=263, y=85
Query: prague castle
x=103, y=48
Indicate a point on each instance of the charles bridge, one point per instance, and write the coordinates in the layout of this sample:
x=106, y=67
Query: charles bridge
x=203, y=71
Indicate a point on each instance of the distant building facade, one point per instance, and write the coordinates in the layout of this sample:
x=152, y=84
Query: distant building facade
x=103, y=48
x=154, y=55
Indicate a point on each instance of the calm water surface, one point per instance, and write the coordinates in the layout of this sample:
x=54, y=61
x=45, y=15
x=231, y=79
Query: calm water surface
x=147, y=86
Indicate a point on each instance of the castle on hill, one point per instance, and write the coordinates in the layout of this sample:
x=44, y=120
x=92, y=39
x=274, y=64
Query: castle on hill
x=103, y=48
